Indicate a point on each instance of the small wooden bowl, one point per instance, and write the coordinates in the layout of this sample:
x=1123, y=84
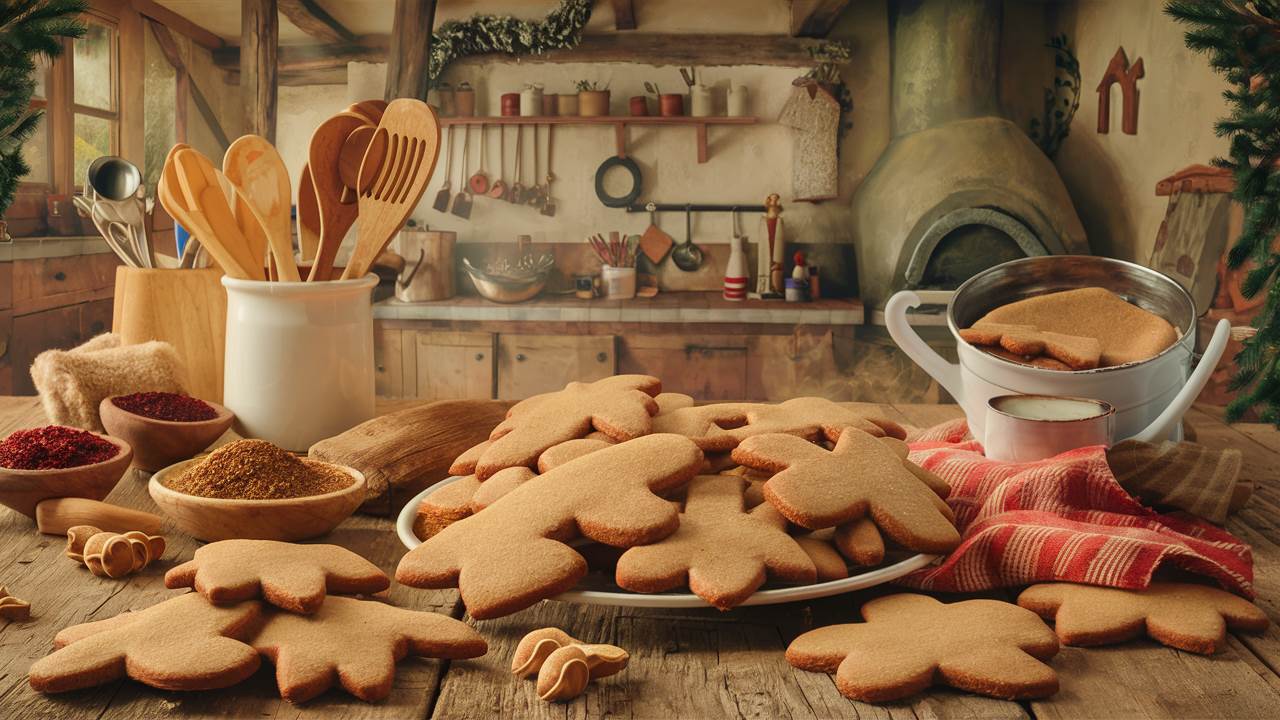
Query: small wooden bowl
x=22, y=490
x=157, y=444
x=287, y=519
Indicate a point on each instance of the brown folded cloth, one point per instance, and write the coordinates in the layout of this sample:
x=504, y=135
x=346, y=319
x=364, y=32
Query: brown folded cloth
x=1183, y=475
x=73, y=382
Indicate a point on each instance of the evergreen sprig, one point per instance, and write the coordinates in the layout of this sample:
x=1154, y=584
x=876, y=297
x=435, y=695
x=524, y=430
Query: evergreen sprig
x=482, y=34
x=1242, y=42
x=29, y=30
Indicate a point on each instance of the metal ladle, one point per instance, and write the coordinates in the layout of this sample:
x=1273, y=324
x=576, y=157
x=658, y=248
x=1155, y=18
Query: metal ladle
x=686, y=255
x=113, y=183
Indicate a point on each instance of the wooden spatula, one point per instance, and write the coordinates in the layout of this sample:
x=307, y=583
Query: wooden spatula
x=204, y=197
x=174, y=200
x=258, y=172
x=335, y=216
x=308, y=217
x=401, y=158
x=654, y=243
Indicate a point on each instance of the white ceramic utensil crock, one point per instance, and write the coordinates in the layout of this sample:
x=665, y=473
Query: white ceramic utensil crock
x=1149, y=397
x=1026, y=428
x=299, y=358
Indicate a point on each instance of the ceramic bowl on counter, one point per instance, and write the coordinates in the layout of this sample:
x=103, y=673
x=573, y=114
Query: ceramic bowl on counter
x=22, y=490
x=285, y=519
x=158, y=444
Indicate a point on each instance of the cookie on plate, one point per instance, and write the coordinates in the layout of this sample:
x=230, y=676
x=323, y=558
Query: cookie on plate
x=722, y=426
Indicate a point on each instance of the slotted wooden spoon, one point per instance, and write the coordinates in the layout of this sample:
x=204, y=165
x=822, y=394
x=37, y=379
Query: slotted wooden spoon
x=336, y=216
x=403, y=155
x=261, y=179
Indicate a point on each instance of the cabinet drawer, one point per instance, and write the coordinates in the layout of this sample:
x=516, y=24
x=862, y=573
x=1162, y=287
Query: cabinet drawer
x=711, y=368
x=454, y=365
x=46, y=283
x=532, y=364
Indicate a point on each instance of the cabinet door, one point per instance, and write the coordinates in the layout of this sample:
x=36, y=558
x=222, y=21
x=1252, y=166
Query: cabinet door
x=37, y=332
x=532, y=364
x=388, y=365
x=710, y=368
x=454, y=365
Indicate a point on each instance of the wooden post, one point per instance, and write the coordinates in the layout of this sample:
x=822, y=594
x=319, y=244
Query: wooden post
x=408, y=71
x=259, y=39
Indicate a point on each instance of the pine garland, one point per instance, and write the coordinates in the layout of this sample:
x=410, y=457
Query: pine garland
x=482, y=34
x=29, y=29
x=1242, y=41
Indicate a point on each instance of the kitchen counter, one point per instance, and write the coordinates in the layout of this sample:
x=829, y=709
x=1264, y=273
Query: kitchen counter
x=50, y=247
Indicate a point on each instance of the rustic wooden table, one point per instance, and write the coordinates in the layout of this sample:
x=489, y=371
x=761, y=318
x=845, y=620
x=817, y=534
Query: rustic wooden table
x=686, y=664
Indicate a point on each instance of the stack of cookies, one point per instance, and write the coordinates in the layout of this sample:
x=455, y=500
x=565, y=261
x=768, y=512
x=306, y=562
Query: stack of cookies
x=666, y=495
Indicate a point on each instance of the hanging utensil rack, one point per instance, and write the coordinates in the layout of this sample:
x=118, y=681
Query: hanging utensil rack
x=691, y=207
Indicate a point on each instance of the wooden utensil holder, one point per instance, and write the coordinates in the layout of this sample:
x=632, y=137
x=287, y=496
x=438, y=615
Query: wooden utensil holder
x=185, y=308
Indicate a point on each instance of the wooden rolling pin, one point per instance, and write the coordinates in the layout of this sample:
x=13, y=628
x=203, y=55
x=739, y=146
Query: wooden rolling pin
x=56, y=515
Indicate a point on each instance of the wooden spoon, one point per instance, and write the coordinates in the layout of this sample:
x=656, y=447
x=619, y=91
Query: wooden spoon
x=204, y=197
x=308, y=216
x=408, y=145
x=261, y=179
x=175, y=203
x=352, y=155
x=336, y=217
x=371, y=110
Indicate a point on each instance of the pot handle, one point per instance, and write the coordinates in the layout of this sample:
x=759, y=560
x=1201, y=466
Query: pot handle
x=895, y=319
x=1160, y=428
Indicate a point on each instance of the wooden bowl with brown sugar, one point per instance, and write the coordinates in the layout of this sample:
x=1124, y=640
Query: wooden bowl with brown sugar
x=285, y=519
x=22, y=490
x=158, y=444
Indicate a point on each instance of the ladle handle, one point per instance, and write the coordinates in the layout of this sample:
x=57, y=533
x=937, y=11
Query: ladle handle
x=895, y=319
x=1162, y=427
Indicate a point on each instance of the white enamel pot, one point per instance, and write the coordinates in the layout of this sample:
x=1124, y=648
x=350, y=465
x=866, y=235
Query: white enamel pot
x=1149, y=397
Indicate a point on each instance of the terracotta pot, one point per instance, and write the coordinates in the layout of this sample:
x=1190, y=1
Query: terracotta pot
x=671, y=105
x=448, y=100
x=639, y=106
x=593, y=103
x=549, y=104
x=510, y=104
x=464, y=100
x=566, y=105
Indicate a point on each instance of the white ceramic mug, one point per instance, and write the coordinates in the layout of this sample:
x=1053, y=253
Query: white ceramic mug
x=1025, y=428
x=619, y=282
x=299, y=358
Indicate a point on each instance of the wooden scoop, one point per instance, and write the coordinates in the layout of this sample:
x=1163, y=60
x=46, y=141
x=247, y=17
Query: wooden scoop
x=258, y=172
x=400, y=158
x=336, y=217
x=204, y=198
x=175, y=202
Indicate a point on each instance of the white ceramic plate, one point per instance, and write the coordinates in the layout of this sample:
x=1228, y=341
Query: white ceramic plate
x=596, y=589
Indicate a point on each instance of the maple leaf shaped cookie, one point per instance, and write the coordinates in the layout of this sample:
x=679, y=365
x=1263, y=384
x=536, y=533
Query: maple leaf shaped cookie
x=288, y=575
x=621, y=407
x=909, y=642
x=720, y=551
x=724, y=425
x=816, y=488
x=1186, y=616
x=514, y=553
x=180, y=644
x=357, y=644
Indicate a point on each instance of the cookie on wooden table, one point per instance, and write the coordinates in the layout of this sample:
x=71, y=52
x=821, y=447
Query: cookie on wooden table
x=180, y=644
x=288, y=575
x=909, y=642
x=720, y=551
x=515, y=552
x=1186, y=616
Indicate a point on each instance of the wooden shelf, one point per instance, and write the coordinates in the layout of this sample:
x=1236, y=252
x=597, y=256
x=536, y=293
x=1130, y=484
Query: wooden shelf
x=619, y=123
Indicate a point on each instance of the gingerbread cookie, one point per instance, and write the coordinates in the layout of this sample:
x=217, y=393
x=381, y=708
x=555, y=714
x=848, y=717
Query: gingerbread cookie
x=1127, y=333
x=722, y=426
x=287, y=575
x=1186, y=616
x=499, y=484
x=465, y=464
x=568, y=451
x=815, y=488
x=669, y=402
x=909, y=642
x=180, y=644
x=860, y=541
x=829, y=564
x=1078, y=353
x=514, y=553
x=722, y=552
x=445, y=506
x=357, y=644
x=621, y=407
x=1040, y=361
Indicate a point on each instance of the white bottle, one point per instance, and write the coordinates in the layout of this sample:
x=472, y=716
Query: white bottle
x=735, y=272
x=738, y=100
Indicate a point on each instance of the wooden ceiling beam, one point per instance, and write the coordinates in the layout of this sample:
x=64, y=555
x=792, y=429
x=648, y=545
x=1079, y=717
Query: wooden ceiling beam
x=624, y=15
x=259, y=43
x=409, y=56
x=178, y=24
x=311, y=18
x=815, y=18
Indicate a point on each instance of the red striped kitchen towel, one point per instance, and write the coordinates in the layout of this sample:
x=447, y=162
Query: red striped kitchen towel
x=1065, y=518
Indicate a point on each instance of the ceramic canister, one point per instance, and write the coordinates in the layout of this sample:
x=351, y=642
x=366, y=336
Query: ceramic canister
x=738, y=101
x=510, y=103
x=700, y=101
x=531, y=101
x=1026, y=428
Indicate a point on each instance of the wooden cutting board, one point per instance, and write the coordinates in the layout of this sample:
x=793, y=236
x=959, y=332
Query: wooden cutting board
x=655, y=244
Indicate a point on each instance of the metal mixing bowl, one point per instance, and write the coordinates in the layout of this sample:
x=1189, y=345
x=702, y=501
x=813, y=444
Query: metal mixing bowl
x=506, y=289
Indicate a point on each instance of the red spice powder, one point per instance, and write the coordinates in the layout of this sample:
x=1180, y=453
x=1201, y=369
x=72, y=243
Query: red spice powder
x=54, y=447
x=166, y=406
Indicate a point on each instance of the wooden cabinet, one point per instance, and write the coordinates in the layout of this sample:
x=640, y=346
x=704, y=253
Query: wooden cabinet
x=454, y=365
x=46, y=283
x=711, y=368
x=532, y=364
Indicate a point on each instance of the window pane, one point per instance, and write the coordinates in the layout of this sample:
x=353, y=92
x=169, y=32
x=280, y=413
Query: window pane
x=92, y=67
x=36, y=152
x=92, y=141
x=42, y=77
x=158, y=130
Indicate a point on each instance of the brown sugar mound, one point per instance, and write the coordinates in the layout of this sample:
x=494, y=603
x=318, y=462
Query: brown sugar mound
x=1127, y=332
x=258, y=470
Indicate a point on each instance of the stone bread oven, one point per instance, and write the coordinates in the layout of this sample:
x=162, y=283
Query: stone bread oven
x=959, y=188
